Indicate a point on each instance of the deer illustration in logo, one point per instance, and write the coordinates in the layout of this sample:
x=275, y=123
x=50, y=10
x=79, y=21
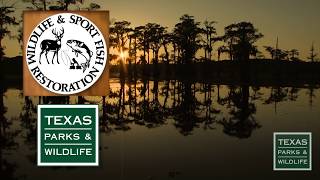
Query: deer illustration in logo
x=54, y=46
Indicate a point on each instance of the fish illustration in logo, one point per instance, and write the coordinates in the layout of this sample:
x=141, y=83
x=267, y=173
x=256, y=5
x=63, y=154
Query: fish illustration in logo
x=79, y=47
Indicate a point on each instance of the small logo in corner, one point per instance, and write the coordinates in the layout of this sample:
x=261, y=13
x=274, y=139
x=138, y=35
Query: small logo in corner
x=292, y=151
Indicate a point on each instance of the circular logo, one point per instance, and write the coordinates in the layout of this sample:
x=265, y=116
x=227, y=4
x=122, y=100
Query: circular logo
x=66, y=53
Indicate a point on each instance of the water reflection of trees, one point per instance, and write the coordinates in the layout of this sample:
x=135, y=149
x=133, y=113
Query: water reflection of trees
x=280, y=94
x=241, y=121
x=7, y=141
x=186, y=105
x=28, y=119
x=189, y=105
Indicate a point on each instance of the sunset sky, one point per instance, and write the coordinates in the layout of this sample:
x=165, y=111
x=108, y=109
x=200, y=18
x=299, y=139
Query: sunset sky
x=295, y=22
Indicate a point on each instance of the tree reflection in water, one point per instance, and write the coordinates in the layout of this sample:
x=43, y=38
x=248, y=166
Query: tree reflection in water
x=241, y=122
x=189, y=106
x=153, y=103
x=7, y=141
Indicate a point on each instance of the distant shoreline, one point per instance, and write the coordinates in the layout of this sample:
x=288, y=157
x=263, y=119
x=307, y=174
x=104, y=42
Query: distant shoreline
x=253, y=72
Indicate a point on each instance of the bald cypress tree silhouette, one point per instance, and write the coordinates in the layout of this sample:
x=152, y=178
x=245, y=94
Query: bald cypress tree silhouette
x=6, y=19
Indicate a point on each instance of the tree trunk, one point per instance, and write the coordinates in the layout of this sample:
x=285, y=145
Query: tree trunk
x=104, y=108
x=44, y=5
x=174, y=53
x=135, y=57
x=148, y=54
x=167, y=53
x=66, y=6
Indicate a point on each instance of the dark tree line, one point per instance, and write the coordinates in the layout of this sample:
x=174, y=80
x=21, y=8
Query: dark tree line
x=7, y=19
x=182, y=44
x=154, y=43
x=61, y=5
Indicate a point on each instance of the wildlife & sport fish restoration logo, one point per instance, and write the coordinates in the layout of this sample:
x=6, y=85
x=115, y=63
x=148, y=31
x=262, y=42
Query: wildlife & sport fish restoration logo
x=66, y=53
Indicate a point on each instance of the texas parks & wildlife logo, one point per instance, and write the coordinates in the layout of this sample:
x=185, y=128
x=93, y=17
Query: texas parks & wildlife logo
x=66, y=53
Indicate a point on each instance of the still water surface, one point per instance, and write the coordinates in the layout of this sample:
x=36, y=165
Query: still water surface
x=171, y=130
